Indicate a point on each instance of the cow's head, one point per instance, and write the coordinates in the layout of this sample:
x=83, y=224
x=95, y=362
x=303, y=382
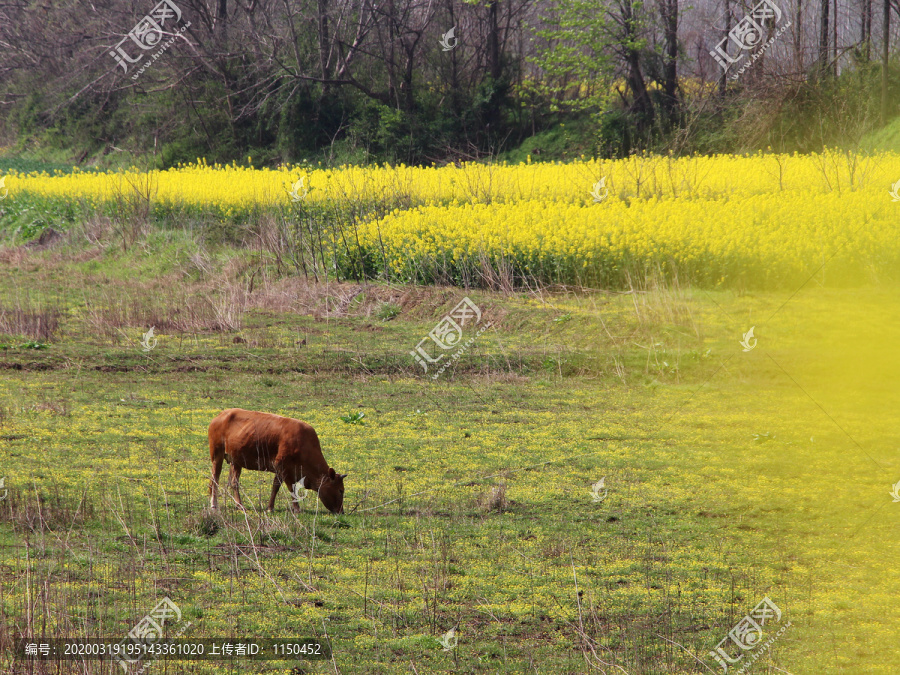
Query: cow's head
x=331, y=491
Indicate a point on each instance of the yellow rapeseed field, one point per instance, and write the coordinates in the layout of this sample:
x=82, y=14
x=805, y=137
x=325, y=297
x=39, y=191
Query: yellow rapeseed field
x=762, y=220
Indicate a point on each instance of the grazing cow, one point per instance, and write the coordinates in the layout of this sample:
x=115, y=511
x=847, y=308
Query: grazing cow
x=264, y=442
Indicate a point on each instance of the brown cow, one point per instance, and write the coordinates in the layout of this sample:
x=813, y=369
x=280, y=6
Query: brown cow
x=264, y=442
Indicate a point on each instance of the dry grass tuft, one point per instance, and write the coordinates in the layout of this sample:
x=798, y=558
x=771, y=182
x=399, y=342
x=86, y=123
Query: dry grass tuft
x=35, y=323
x=206, y=523
x=13, y=255
x=46, y=511
x=494, y=499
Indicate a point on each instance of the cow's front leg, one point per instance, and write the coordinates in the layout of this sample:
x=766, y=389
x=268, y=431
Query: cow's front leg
x=295, y=496
x=276, y=483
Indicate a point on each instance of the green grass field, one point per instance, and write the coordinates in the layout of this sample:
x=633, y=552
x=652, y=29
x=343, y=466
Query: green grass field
x=729, y=475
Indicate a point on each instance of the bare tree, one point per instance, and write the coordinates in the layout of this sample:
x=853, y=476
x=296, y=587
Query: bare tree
x=668, y=11
x=885, y=56
x=628, y=46
x=865, y=33
x=823, y=35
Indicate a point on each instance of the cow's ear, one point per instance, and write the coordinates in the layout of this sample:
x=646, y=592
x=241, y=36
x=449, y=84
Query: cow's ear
x=331, y=473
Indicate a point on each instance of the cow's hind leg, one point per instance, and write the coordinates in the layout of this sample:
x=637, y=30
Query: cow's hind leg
x=234, y=479
x=214, y=484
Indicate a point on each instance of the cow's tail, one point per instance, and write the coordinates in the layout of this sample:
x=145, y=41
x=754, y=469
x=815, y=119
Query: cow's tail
x=216, y=455
x=216, y=441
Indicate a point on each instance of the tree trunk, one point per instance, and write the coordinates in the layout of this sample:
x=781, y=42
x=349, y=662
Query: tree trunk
x=322, y=8
x=391, y=65
x=885, y=47
x=834, y=23
x=493, y=42
x=823, y=35
x=723, y=80
x=222, y=19
x=454, y=64
x=642, y=104
x=407, y=85
x=669, y=12
x=867, y=28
